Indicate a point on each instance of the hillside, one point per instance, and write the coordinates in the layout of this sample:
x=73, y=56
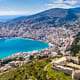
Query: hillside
x=34, y=71
x=75, y=47
x=54, y=17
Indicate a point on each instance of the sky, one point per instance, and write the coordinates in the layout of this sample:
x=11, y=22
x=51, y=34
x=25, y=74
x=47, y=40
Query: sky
x=29, y=7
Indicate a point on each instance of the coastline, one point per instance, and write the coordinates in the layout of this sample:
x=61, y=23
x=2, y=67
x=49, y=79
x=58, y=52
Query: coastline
x=26, y=52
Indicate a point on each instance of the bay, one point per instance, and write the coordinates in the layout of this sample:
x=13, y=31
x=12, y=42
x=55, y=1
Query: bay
x=11, y=46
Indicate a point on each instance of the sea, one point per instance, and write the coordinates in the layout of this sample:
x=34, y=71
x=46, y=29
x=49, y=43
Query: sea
x=10, y=46
x=5, y=18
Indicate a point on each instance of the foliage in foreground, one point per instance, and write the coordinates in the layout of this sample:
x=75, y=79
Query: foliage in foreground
x=34, y=71
x=75, y=48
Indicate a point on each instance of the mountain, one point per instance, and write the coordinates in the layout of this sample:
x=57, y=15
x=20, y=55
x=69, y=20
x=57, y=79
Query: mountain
x=54, y=17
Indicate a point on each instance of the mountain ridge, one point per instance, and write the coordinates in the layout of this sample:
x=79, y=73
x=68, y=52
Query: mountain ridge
x=52, y=17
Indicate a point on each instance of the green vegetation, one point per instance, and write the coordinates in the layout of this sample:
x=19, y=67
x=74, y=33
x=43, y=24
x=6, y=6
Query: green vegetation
x=75, y=48
x=56, y=75
x=35, y=70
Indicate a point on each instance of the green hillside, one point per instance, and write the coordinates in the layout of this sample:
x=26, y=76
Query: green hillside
x=75, y=48
x=34, y=71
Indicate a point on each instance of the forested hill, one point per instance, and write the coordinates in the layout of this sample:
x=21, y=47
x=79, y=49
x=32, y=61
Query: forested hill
x=53, y=17
x=75, y=48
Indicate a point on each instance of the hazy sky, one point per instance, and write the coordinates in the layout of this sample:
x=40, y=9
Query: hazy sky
x=28, y=7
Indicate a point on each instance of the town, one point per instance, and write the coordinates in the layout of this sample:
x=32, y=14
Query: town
x=59, y=38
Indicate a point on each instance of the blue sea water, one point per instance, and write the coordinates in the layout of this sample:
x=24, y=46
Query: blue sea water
x=10, y=46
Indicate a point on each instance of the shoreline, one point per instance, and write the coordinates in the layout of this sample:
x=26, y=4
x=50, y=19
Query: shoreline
x=26, y=52
x=23, y=53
